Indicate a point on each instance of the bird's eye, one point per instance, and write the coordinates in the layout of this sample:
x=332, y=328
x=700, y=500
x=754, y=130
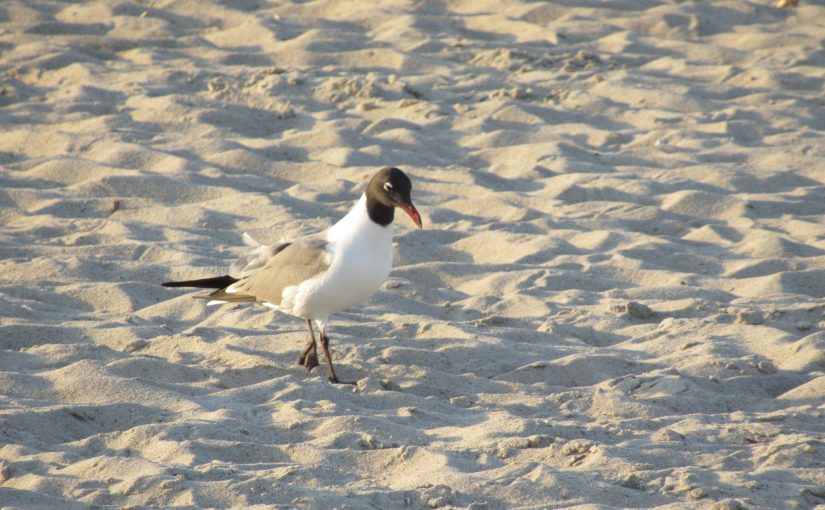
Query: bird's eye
x=388, y=186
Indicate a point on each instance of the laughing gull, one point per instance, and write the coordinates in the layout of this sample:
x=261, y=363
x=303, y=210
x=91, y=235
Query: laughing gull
x=316, y=276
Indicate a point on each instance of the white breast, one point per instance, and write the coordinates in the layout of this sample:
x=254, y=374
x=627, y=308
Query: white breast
x=360, y=252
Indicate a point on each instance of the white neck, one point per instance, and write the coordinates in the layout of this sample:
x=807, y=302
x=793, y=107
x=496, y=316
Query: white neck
x=357, y=223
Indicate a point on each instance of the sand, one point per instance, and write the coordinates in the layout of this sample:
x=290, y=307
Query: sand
x=616, y=302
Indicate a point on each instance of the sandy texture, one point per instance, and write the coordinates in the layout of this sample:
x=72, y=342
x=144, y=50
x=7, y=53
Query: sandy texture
x=617, y=299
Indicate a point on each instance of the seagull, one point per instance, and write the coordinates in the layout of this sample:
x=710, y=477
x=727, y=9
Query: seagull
x=315, y=276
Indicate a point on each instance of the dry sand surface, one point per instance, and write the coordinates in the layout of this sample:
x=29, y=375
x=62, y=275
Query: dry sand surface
x=616, y=301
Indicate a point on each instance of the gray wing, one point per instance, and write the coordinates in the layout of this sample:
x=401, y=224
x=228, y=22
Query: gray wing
x=287, y=264
x=254, y=258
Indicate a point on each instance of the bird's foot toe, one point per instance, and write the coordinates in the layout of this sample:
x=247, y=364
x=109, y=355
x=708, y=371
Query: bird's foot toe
x=335, y=380
x=309, y=361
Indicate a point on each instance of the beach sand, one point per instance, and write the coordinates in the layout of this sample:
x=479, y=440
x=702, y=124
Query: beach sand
x=616, y=301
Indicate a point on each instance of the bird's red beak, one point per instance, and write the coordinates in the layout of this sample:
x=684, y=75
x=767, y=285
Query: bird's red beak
x=413, y=212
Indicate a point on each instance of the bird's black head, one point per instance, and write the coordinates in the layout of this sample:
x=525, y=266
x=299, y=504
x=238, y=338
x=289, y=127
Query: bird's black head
x=388, y=189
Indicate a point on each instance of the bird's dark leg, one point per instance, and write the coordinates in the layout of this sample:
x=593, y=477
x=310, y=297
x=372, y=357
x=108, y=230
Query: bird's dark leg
x=330, y=371
x=309, y=358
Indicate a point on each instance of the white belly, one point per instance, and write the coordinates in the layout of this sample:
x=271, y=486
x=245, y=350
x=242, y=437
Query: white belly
x=348, y=283
x=360, y=255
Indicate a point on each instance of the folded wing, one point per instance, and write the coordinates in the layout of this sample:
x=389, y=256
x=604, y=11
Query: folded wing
x=268, y=270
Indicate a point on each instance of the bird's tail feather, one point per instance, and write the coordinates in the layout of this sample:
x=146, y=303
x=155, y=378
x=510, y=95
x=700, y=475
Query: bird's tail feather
x=222, y=296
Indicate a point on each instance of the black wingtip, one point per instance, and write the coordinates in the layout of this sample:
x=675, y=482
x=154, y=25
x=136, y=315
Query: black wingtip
x=217, y=282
